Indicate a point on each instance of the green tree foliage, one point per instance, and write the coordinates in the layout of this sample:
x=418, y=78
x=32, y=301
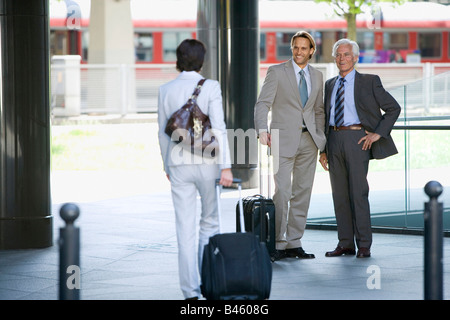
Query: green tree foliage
x=348, y=9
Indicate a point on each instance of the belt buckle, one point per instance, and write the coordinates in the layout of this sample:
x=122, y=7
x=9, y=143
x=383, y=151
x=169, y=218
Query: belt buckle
x=335, y=128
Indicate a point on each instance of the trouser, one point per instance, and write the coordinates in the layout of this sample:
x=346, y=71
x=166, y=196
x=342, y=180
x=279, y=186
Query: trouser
x=186, y=181
x=293, y=186
x=349, y=165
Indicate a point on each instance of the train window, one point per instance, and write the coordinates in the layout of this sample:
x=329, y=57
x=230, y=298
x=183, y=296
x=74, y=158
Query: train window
x=143, y=44
x=318, y=55
x=430, y=44
x=262, y=46
x=171, y=40
x=284, y=45
x=365, y=40
x=395, y=40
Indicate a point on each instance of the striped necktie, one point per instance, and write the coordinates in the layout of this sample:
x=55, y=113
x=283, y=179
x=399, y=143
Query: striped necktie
x=302, y=88
x=339, y=104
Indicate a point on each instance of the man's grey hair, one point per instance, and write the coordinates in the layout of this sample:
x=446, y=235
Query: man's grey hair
x=355, y=47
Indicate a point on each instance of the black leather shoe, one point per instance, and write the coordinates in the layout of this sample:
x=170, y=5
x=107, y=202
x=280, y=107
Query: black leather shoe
x=299, y=253
x=278, y=255
x=339, y=251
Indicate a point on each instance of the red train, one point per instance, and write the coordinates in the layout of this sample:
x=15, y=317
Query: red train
x=412, y=32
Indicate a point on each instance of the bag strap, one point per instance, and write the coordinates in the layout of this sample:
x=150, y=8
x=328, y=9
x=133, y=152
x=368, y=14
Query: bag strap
x=197, y=89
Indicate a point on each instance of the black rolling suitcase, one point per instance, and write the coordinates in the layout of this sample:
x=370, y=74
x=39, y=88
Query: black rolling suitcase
x=262, y=225
x=235, y=265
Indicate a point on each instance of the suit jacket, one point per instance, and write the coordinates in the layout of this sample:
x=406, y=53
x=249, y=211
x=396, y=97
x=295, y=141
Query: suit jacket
x=370, y=99
x=280, y=95
x=172, y=96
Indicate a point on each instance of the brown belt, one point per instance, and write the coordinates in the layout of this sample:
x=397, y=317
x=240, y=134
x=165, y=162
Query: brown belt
x=352, y=127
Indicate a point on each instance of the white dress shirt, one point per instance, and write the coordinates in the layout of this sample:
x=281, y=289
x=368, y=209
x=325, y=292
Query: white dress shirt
x=306, y=73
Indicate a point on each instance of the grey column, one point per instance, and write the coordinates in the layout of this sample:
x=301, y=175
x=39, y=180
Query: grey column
x=230, y=30
x=25, y=205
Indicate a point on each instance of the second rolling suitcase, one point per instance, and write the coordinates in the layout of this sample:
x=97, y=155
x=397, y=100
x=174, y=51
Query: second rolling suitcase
x=235, y=265
x=259, y=211
x=259, y=219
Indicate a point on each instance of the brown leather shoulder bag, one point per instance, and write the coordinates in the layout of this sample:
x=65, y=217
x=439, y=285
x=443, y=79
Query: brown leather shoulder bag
x=195, y=126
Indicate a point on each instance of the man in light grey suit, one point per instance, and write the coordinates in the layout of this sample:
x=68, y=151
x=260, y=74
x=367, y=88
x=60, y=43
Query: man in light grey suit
x=298, y=119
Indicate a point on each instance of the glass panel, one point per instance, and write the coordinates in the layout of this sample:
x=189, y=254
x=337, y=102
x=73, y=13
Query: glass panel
x=429, y=160
x=387, y=186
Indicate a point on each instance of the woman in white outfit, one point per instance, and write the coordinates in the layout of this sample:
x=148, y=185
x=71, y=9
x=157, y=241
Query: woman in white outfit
x=191, y=173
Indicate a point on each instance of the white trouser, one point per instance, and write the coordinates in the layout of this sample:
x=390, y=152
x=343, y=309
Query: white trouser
x=186, y=180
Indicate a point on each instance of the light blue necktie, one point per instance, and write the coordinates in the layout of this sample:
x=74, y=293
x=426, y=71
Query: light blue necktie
x=302, y=88
x=339, y=105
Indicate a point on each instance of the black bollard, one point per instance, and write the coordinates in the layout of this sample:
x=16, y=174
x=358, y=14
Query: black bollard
x=69, y=254
x=433, y=228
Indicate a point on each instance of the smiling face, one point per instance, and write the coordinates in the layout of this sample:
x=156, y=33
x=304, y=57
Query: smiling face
x=345, y=59
x=301, y=51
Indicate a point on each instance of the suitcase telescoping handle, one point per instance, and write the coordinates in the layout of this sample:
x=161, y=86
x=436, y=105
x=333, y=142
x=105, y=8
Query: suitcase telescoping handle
x=265, y=220
x=265, y=217
x=269, y=171
x=241, y=206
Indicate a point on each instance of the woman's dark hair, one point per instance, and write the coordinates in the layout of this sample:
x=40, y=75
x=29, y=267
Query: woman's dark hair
x=190, y=55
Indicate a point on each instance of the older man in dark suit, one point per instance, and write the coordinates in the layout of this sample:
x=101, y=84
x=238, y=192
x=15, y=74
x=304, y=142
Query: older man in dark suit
x=357, y=130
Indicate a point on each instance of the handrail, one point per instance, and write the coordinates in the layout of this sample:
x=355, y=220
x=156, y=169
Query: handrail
x=432, y=118
x=421, y=127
